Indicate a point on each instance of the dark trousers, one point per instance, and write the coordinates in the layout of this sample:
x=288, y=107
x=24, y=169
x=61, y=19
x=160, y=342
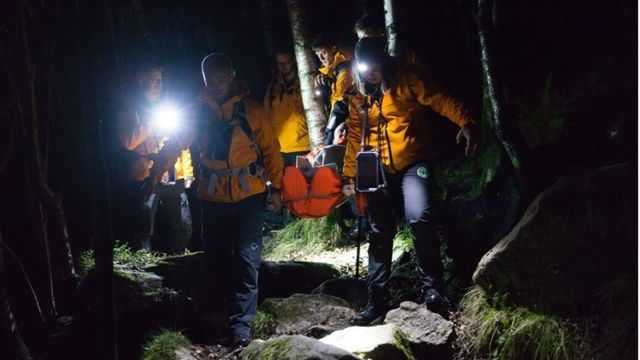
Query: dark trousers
x=406, y=193
x=232, y=238
x=161, y=223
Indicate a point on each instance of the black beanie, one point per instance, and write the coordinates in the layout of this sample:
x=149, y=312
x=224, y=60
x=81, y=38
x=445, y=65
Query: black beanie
x=370, y=49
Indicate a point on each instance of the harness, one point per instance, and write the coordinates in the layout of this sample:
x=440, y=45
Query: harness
x=256, y=168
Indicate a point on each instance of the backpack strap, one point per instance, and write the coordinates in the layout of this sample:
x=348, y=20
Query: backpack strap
x=240, y=118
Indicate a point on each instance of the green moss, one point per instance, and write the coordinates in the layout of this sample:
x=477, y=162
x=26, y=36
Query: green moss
x=305, y=236
x=163, y=345
x=263, y=324
x=274, y=349
x=517, y=333
x=541, y=119
x=86, y=262
x=402, y=343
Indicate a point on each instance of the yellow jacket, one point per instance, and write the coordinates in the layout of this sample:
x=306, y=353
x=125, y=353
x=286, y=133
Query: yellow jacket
x=138, y=136
x=343, y=84
x=400, y=132
x=283, y=108
x=228, y=186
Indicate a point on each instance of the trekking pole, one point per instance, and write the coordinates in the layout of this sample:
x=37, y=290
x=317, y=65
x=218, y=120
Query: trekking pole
x=358, y=241
x=364, y=111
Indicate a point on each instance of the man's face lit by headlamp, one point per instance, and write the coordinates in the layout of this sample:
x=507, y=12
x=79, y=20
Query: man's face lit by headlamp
x=166, y=118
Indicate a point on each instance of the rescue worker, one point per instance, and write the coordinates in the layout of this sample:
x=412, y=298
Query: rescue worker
x=239, y=153
x=373, y=26
x=334, y=77
x=284, y=109
x=394, y=98
x=159, y=169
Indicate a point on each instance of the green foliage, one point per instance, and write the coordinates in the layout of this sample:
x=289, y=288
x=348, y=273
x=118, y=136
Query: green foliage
x=518, y=333
x=263, y=324
x=466, y=177
x=541, y=121
x=403, y=241
x=86, y=262
x=163, y=345
x=126, y=258
x=305, y=236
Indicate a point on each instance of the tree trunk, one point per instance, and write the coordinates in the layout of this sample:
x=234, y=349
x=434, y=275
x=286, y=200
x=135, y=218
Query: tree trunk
x=106, y=329
x=391, y=25
x=267, y=25
x=313, y=108
x=62, y=261
x=502, y=120
x=10, y=339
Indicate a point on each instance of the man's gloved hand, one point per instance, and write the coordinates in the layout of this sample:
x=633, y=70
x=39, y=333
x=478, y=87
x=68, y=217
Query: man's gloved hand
x=275, y=201
x=348, y=190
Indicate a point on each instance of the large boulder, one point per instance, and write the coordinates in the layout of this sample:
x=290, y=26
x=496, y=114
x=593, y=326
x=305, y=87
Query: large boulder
x=280, y=279
x=575, y=237
x=429, y=334
x=293, y=347
x=299, y=313
x=382, y=342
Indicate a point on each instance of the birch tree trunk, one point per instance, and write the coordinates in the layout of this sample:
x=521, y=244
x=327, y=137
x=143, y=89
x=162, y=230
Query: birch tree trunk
x=391, y=26
x=313, y=108
x=502, y=121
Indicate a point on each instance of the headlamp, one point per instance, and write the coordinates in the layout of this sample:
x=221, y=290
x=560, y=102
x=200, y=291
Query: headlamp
x=362, y=66
x=166, y=117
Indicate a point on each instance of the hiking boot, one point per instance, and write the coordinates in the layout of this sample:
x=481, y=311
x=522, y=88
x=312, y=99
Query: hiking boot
x=369, y=314
x=242, y=340
x=437, y=303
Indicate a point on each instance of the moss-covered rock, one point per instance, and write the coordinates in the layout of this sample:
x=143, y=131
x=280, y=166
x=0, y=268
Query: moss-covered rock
x=293, y=347
x=382, y=342
x=298, y=313
x=166, y=345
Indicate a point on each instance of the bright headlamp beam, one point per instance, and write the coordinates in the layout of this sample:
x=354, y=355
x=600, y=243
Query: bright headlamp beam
x=363, y=67
x=166, y=117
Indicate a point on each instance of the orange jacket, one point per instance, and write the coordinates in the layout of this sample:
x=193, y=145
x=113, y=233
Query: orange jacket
x=400, y=132
x=231, y=185
x=136, y=134
x=283, y=108
x=343, y=84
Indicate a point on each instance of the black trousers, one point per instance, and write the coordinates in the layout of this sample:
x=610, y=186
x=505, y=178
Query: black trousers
x=407, y=193
x=232, y=237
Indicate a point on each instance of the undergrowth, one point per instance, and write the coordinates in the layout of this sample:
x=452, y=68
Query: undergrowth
x=263, y=324
x=500, y=332
x=124, y=258
x=305, y=236
x=163, y=345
